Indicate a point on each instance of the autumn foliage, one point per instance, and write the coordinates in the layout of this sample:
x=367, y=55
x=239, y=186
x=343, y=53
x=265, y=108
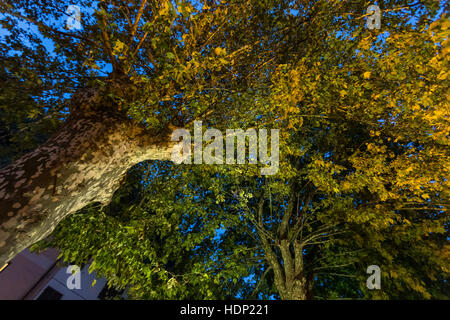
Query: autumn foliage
x=364, y=156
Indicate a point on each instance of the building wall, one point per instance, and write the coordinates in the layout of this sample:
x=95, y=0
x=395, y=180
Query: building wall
x=24, y=272
x=28, y=275
x=86, y=291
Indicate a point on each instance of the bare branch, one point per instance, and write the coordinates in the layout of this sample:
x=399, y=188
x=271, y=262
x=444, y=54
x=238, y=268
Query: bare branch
x=138, y=17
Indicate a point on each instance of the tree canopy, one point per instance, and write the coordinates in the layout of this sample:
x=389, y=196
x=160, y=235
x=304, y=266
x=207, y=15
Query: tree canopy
x=364, y=124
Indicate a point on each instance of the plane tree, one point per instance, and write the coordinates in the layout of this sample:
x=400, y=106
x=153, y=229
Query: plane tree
x=362, y=115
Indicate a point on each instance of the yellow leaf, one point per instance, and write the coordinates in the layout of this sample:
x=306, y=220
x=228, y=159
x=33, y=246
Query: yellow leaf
x=367, y=75
x=219, y=51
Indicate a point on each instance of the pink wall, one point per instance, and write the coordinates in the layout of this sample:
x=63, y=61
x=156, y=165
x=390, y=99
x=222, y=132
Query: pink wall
x=24, y=272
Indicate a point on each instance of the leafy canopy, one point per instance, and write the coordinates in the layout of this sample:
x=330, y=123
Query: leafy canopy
x=364, y=140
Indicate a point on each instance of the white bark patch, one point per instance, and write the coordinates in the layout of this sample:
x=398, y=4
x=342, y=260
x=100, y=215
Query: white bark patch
x=20, y=173
x=19, y=183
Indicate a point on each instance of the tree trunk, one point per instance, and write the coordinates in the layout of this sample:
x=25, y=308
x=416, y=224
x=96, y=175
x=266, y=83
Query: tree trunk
x=293, y=287
x=296, y=289
x=290, y=279
x=84, y=162
x=296, y=284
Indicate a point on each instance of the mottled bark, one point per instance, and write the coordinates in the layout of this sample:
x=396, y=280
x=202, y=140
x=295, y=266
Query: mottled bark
x=84, y=162
x=285, y=256
x=291, y=282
